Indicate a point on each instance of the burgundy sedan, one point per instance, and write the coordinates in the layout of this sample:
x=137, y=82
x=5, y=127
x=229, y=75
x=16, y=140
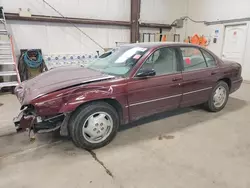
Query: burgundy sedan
x=127, y=83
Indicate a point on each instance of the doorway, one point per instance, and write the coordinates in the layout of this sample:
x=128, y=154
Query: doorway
x=234, y=43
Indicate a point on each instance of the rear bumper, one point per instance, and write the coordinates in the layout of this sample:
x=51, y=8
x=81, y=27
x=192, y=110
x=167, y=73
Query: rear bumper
x=236, y=85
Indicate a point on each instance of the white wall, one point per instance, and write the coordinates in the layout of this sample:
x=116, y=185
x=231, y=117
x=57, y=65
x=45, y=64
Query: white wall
x=55, y=38
x=65, y=39
x=95, y=9
x=164, y=12
x=246, y=63
x=214, y=10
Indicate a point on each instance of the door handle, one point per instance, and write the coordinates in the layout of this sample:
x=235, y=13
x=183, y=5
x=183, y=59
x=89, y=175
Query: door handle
x=213, y=73
x=176, y=79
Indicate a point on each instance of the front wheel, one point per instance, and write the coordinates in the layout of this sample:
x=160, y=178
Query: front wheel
x=219, y=97
x=94, y=125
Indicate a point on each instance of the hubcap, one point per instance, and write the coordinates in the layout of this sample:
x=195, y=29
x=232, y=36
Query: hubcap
x=97, y=127
x=220, y=96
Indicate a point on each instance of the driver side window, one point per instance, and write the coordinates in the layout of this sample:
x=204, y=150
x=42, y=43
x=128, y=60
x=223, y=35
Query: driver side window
x=163, y=61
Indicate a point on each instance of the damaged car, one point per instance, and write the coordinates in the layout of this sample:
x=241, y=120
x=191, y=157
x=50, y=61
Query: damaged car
x=130, y=82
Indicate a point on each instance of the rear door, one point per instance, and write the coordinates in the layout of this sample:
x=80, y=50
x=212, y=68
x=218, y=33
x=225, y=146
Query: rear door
x=158, y=93
x=199, y=74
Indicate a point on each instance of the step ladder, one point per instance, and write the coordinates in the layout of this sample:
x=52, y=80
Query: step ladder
x=9, y=75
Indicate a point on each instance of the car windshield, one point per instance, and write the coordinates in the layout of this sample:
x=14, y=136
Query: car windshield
x=118, y=61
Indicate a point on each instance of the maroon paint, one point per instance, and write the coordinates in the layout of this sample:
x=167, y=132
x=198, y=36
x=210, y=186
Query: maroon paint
x=140, y=90
x=64, y=89
x=197, y=81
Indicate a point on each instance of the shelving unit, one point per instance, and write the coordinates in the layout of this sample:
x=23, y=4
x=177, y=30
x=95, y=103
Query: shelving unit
x=8, y=68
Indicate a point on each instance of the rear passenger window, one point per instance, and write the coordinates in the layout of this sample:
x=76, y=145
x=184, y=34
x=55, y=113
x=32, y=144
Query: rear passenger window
x=193, y=59
x=209, y=59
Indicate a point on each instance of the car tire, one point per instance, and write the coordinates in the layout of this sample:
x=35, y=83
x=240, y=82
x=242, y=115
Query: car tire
x=93, y=120
x=218, y=98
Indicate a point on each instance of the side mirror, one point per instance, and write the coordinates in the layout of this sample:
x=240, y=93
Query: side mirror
x=146, y=73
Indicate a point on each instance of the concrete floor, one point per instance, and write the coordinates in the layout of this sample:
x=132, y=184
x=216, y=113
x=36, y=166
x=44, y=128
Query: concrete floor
x=184, y=148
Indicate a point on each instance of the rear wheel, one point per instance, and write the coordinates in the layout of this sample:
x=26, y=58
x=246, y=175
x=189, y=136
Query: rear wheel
x=94, y=125
x=219, y=97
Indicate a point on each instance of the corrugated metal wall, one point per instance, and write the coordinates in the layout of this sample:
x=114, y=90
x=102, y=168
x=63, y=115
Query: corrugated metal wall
x=96, y=9
x=64, y=38
x=162, y=11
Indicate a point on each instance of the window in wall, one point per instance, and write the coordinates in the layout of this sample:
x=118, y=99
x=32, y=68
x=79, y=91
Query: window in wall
x=163, y=61
x=193, y=59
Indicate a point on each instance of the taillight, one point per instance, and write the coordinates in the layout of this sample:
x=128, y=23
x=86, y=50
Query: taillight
x=240, y=69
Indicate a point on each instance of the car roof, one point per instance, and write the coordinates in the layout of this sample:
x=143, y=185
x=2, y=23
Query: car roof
x=158, y=44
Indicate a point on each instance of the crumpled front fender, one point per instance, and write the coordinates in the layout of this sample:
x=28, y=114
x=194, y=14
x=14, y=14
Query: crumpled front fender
x=92, y=95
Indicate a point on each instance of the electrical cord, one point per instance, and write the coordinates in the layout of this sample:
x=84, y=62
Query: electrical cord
x=23, y=67
x=33, y=63
x=187, y=17
x=72, y=24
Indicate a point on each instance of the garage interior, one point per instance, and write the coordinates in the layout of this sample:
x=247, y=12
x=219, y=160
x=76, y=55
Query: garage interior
x=188, y=147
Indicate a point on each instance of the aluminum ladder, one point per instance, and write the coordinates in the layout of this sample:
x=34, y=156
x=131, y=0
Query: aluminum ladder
x=9, y=75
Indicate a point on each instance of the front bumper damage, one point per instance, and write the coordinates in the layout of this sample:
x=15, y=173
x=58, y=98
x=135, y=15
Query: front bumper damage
x=27, y=119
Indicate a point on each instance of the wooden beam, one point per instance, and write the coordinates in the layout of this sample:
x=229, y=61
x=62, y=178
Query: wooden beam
x=54, y=19
x=156, y=25
x=135, y=16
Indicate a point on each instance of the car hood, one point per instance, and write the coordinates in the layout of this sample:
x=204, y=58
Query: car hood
x=56, y=79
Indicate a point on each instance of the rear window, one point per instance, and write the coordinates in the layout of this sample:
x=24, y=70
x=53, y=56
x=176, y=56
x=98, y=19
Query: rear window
x=209, y=59
x=193, y=59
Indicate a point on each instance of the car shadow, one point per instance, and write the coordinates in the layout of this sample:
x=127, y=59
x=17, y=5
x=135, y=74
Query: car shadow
x=158, y=126
x=232, y=105
x=162, y=125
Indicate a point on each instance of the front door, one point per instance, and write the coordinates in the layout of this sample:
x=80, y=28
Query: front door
x=234, y=43
x=199, y=75
x=157, y=93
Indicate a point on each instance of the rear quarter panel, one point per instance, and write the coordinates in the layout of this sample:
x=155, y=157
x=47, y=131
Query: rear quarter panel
x=232, y=71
